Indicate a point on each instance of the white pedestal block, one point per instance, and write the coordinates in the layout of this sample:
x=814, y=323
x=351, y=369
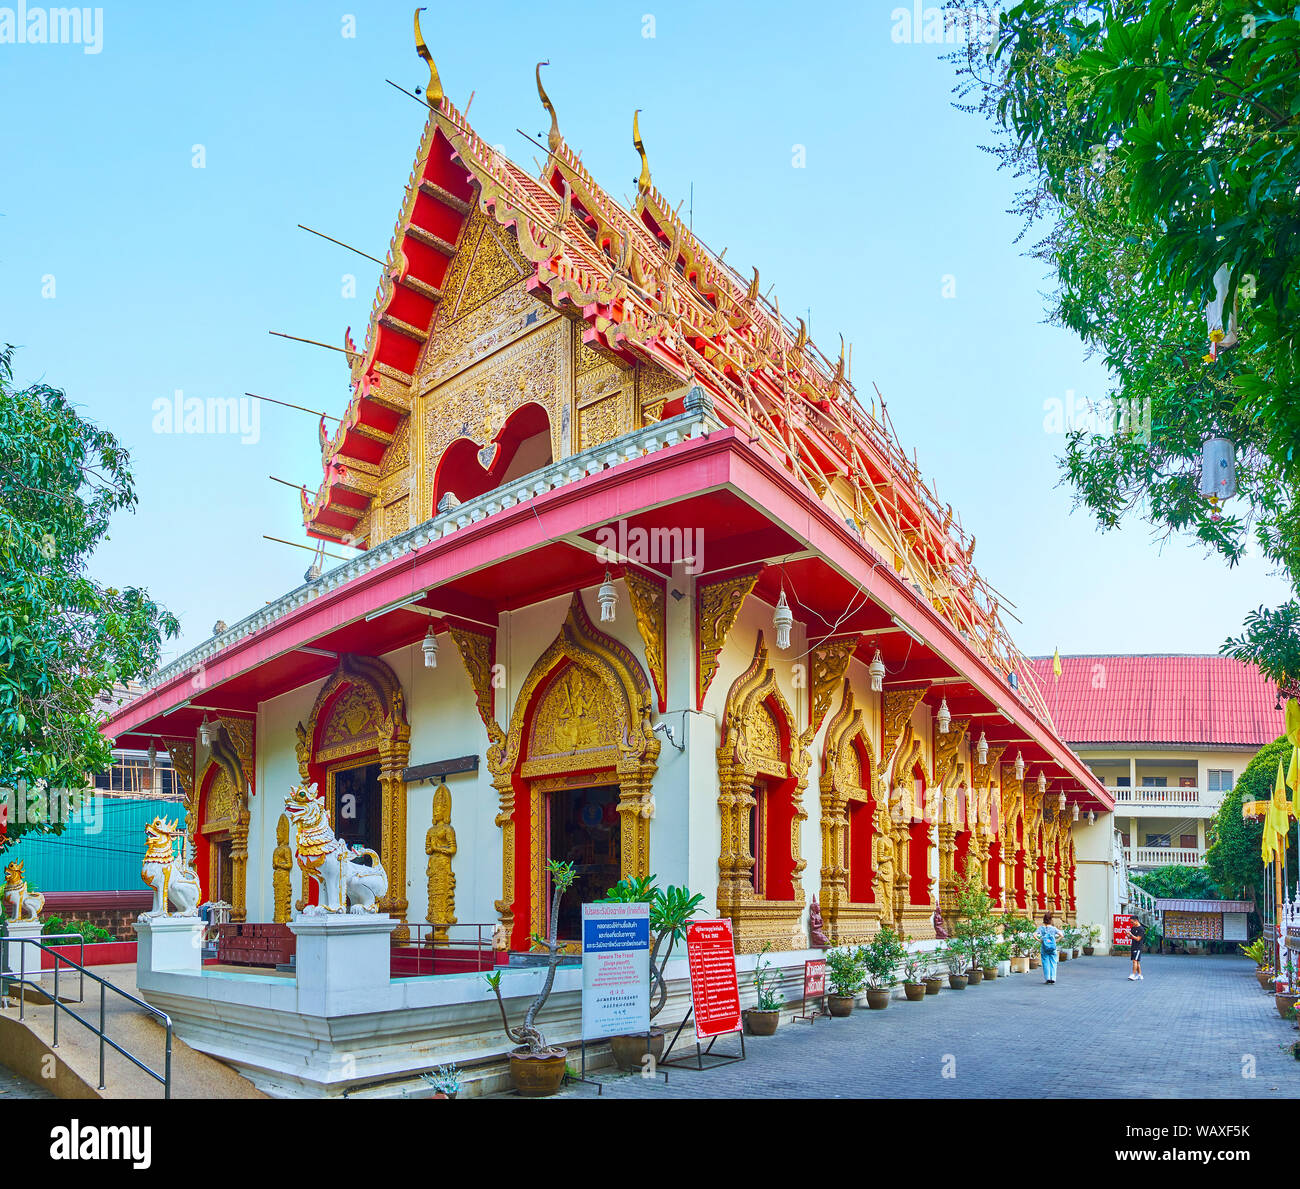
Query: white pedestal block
x=343, y=962
x=22, y=956
x=171, y=944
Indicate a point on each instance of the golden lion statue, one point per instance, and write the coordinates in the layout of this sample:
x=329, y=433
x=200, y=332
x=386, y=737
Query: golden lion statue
x=174, y=882
x=329, y=860
x=20, y=904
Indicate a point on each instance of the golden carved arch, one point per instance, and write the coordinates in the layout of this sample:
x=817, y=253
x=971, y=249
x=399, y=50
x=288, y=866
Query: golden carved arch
x=221, y=815
x=361, y=710
x=759, y=738
x=845, y=779
x=584, y=707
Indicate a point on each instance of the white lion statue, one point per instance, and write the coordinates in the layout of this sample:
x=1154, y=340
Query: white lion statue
x=174, y=882
x=20, y=904
x=330, y=861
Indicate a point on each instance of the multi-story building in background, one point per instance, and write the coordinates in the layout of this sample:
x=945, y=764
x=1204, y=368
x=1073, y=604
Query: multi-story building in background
x=1169, y=735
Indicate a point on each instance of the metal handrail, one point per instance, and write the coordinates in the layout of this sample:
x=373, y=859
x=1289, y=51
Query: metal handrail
x=104, y=985
x=424, y=936
x=45, y=939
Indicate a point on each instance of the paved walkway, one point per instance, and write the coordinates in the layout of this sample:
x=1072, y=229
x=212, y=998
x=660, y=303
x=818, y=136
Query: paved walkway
x=13, y=1086
x=1193, y=1028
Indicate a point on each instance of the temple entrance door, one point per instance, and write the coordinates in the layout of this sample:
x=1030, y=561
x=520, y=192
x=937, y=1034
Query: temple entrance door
x=355, y=801
x=583, y=828
x=220, y=872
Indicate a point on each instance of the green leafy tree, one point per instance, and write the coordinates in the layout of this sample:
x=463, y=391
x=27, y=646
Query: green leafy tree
x=65, y=639
x=1232, y=859
x=1176, y=882
x=1154, y=145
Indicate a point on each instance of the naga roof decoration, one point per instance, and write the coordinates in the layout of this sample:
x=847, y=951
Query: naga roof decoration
x=647, y=290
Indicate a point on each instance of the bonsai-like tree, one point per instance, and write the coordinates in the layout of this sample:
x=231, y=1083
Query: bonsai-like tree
x=562, y=876
x=670, y=912
x=975, y=927
x=845, y=969
x=881, y=957
x=1019, y=932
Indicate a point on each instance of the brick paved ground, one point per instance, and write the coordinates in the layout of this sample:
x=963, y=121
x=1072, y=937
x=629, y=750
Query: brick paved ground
x=13, y=1086
x=1189, y=1030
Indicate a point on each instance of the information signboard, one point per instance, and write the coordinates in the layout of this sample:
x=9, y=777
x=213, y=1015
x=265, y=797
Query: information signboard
x=615, y=969
x=715, y=993
x=1234, y=926
x=814, y=979
x=1123, y=922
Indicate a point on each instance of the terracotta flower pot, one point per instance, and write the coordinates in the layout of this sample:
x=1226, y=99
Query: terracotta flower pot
x=933, y=985
x=1264, y=978
x=840, y=1005
x=976, y=976
x=878, y=998
x=915, y=992
x=957, y=982
x=990, y=972
x=1034, y=962
x=1284, y=1002
x=537, y=1076
x=1088, y=951
x=629, y=1051
x=762, y=1023
x=1063, y=955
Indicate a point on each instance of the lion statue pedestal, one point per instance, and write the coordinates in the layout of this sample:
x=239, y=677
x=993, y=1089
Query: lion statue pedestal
x=169, y=944
x=343, y=962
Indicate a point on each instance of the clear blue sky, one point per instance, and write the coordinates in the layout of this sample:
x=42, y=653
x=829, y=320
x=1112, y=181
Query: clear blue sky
x=168, y=277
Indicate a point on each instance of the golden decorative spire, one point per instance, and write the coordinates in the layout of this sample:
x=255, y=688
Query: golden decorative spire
x=752, y=295
x=553, y=139
x=643, y=182
x=802, y=341
x=433, y=89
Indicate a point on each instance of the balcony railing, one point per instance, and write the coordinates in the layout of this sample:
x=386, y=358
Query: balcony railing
x=1165, y=796
x=1162, y=856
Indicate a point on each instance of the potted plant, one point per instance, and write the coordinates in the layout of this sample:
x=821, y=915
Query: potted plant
x=537, y=1068
x=444, y=1080
x=1260, y=952
x=1018, y=932
x=880, y=959
x=933, y=979
x=764, y=1016
x=1002, y=957
x=975, y=926
x=1035, y=952
x=953, y=955
x=1286, y=999
x=845, y=974
x=1074, y=939
x=916, y=965
x=670, y=911
x=1092, y=935
x=987, y=954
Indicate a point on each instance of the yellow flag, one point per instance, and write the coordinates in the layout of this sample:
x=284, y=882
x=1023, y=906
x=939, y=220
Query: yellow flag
x=1056, y=671
x=1293, y=737
x=1277, y=820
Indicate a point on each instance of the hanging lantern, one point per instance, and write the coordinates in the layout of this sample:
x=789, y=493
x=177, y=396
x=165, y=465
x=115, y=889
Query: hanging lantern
x=429, y=646
x=1020, y=765
x=1042, y=781
x=1218, y=469
x=876, y=671
x=1060, y=801
x=607, y=597
x=1076, y=811
x=205, y=732
x=1092, y=817
x=783, y=621
x=982, y=750
x=944, y=717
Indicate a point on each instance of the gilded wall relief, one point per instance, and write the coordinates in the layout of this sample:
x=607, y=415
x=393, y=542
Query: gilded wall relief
x=649, y=599
x=587, y=702
x=717, y=606
x=476, y=652
x=756, y=723
x=828, y=662
x=654, y=388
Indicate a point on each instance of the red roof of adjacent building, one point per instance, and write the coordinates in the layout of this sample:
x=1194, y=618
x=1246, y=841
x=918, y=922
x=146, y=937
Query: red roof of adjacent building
x=1160, y=699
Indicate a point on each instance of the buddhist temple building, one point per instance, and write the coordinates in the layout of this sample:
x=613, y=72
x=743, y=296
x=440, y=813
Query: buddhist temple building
x=645, y=585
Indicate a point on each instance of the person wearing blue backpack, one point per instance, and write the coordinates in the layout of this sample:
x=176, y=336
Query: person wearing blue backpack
x=1048, y=935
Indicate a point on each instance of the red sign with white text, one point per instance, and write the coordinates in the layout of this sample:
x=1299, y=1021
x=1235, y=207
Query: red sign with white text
x=1123, y=923
x=814, y=979
x=715, y=994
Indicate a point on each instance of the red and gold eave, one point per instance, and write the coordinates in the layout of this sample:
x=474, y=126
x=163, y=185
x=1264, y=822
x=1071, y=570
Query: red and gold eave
x=752, y=509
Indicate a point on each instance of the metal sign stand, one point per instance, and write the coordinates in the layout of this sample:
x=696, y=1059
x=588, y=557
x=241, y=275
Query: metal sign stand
x=819, y=1010
x=700, y=1054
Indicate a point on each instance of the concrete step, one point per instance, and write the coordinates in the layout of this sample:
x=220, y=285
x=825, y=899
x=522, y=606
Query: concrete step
x=72, y=1069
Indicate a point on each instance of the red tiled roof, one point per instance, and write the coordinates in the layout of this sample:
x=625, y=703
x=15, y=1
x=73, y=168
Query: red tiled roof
x=1160, y=699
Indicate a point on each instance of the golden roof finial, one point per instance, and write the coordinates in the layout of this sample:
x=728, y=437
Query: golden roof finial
x=433, y=89
x=802, y=341
x=643, y=182
x=752, y=295
x=553, y=139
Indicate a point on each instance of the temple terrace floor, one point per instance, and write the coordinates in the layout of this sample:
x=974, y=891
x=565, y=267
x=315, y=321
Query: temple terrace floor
x=1193, y=1028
